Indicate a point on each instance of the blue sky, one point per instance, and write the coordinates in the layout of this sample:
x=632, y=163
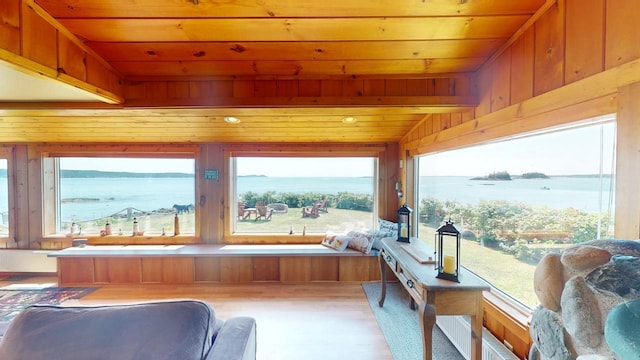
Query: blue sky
x=571, y=152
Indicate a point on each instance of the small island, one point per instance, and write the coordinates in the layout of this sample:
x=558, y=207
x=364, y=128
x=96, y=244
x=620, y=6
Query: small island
x=534, y=175
x=500, y=175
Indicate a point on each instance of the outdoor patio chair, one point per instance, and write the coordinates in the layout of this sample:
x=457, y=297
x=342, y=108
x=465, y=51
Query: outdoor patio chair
x=312, y=212
x=263, y=212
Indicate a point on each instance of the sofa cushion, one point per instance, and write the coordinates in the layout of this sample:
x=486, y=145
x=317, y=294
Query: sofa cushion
x=160, y=330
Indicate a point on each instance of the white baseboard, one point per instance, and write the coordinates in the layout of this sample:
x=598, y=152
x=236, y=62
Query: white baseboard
x=13, y=260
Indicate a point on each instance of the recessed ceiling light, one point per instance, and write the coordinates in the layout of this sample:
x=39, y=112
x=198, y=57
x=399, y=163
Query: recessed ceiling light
x=231, y=120
x=349, y=120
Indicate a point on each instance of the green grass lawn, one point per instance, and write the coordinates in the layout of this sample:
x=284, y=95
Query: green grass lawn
x=502, y=270
x=335, y=220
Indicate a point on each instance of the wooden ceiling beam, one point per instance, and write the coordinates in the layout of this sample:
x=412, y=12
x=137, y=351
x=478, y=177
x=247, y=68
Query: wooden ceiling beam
x=285, y=8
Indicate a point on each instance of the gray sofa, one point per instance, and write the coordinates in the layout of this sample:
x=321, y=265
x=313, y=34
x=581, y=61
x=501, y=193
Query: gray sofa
x=176, y=330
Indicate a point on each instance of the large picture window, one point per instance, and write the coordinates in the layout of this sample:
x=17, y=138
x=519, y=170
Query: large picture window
x=302, y=195
x=96, y=191
x=515, y=201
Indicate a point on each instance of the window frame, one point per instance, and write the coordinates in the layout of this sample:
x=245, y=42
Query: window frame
x=497, y=301
x=50, y=171
x=7, y=153
x=374, y=151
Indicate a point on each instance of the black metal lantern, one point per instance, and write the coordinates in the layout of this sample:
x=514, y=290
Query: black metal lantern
x=448, y=264
x=404, y=223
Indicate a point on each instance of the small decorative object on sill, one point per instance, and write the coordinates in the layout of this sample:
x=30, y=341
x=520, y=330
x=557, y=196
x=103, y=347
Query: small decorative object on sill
x=74, y=228
x=448, y=263
x=135, y=227
x=291, y=230
x=107, y=228
x=119, y=231
x=163, y=233
x=304, y=230
x=176, y=225
x=404, y=223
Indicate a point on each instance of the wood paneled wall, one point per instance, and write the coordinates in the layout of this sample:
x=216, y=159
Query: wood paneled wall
x=229, y=270
x=33, y=40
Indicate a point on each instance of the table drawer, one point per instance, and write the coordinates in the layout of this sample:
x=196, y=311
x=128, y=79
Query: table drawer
x=410, y=283
x=390, y=260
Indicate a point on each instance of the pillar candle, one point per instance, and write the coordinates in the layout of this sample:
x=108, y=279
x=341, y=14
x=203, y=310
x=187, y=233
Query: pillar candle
x=449, y=265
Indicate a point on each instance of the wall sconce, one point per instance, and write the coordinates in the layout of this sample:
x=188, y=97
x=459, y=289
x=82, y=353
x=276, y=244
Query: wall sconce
x=399, y=189
x=448, y=264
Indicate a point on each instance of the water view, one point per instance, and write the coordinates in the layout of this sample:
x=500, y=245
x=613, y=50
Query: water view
x=92, y=198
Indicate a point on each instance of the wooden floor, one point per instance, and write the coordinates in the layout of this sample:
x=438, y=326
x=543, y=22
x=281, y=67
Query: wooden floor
x=294, y=321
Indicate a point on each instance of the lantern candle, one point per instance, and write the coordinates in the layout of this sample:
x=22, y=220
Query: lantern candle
x=449, y=265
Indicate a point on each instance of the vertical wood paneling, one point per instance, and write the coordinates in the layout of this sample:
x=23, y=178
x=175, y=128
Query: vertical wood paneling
x=395, y=87
x=156, y=89
x=621, y=41
x=226, y=88
x=501, y=84
x=295, y=268
x=200, y=89
x=352, y=88
x=265, y=89
x=416, y=87
x=241, y=89
x=484, y=90
x=211, y=194
x=178, y=90
x=10, y=26
x=324, y=268
x=309, y=88
x=584, y=39
x=19, y=216
x=627, y=170
x=390, y=172
x=287, y=88
x=522, y=67
x=134, y=90
x=75, y=271
x=442, y=87
x=117, y=270
x=549, y=50
x=39, y=38
x=236, y=270
x=266, y=268
x=373, y=87
x=331, y=88
x=177, y=270
x=151, y=270
x=354, y=268
x=71, y=59
x=207, y=269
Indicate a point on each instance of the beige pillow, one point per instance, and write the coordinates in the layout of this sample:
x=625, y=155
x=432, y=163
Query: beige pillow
x=360, y=241
x=336, y=241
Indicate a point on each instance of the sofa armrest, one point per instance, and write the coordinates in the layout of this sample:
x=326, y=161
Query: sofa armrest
x=236, y=340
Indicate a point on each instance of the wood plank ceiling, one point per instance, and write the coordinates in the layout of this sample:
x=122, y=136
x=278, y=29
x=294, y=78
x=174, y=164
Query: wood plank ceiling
x=366, y=43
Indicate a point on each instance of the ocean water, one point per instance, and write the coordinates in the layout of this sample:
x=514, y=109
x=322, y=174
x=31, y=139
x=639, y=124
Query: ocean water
x=112, y=195
x=581, y=193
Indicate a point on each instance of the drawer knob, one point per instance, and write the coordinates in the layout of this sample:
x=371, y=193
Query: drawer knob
x=388, y=258
x=410, y=284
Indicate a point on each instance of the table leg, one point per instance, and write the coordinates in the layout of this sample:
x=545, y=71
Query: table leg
x=427, y=313
x=383, y=279
x=476, y=330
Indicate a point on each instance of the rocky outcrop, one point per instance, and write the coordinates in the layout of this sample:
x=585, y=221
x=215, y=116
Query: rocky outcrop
x=577, y=291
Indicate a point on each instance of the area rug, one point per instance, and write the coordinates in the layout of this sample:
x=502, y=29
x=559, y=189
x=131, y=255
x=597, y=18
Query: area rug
x=12, y=302
x=401, y=327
